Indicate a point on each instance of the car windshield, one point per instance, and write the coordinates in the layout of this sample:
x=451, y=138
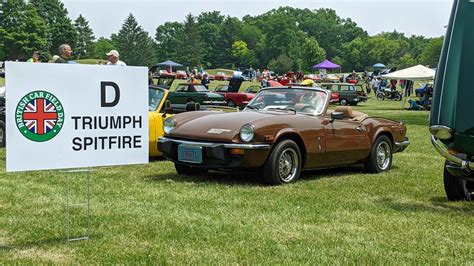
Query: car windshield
x=307, y=101
x=221, y=88
x=154, y=98
x=200, y=88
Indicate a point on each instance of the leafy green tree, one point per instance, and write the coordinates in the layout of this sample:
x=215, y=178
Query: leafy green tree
x=228, y=34
x=311, y=54
x=282, y=64
x=190, y=45
x=103, y=46
x=354, y=55
x=135, y=46
x=85, y=40
x=22, y=30
x=166, y=37
x=243, y=56
x=406, y=60
x=431, y=54
x=417, y=44
x=330, y=30
x=209, y=26
x=60, y=28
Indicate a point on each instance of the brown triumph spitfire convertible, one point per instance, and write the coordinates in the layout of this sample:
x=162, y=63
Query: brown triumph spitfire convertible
x=282, y=131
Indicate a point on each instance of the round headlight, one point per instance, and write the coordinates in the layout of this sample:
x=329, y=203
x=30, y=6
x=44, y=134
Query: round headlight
x=247, y=132
x=168, y=125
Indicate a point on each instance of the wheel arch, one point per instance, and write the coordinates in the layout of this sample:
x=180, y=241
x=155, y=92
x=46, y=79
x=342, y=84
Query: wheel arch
x=385, y=132
x=296, y=137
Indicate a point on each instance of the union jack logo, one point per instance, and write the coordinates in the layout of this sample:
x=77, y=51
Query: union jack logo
x=40, y=116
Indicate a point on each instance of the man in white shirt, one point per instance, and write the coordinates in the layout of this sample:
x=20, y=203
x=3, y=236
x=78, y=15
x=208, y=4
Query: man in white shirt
x=113, y=57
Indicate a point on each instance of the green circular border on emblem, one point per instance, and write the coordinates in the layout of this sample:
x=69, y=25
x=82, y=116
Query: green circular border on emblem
x=20, y=109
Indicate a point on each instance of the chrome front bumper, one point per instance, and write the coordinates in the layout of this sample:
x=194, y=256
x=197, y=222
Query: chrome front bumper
x=211, y=144
x=401, y=146
x=441, y=148
x=214, y=102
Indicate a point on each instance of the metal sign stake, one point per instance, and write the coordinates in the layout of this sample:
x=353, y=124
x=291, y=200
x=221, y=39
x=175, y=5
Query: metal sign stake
x=73, y=205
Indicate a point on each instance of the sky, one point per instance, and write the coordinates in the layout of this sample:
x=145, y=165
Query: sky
x=418, y=17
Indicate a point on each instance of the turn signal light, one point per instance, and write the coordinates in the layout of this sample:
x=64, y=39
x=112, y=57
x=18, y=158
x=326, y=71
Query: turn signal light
x=268, y=138
x=237, y=151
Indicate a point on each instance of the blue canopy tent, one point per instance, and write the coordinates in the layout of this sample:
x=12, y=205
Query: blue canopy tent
x=167, y=63
x=379, y=66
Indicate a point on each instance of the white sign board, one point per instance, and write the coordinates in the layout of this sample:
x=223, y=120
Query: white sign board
x=71, y=116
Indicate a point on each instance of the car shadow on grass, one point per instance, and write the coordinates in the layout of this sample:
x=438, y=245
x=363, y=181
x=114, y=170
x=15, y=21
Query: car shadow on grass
x=436, y=205
x=253, y=178
x=311, y=175
x=218, y=177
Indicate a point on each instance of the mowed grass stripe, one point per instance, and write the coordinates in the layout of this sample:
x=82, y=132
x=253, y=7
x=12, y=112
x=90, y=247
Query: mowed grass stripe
x=149, y=214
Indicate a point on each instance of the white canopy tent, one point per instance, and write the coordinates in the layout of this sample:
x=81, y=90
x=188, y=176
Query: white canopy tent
x=418, y=72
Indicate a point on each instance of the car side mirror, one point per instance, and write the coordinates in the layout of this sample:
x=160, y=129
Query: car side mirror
x=167, y=108
x=336, y=116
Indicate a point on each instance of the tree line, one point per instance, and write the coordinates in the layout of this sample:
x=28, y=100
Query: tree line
x=281, y=39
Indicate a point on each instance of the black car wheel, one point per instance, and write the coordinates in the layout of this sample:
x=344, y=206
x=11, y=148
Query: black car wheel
x=344, y=102
x=380, y=158
x=457, y=188
x=231, y=103
x=380, y=96
x=398, y=97
x=188, y=170
x=284, y=164
x=3, y=135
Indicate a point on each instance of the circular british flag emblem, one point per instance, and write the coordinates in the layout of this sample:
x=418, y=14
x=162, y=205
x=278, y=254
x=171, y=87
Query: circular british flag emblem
x=39, y=116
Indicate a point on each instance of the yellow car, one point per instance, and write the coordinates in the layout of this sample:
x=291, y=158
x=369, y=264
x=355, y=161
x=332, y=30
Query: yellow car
x=156, y=115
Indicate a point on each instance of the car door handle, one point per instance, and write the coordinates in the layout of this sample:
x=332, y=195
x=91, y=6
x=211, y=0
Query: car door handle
x=360, y=129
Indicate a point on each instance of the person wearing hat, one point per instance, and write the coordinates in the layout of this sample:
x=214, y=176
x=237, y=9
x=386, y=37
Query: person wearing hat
x=35, y=58
x=113, y=57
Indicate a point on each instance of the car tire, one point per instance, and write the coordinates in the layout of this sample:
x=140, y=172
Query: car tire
x=188, y=170
x=343, y=102
x=354, y=103
x=3, y=135
x=231, y=103
x=381, y=156
x=456, y=188
x=398, y=97
x=380, y=96
x=283, y=165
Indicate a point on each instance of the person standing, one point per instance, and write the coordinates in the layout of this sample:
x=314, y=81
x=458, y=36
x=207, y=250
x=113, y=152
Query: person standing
x=35, y=57
x=375, y=85
x=65, y=52
x=113, y=57
x=205, y=81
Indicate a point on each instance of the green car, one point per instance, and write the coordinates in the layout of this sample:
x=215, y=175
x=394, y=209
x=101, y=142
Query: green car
x=348, y=93
x=188, y=92
x=451, y=120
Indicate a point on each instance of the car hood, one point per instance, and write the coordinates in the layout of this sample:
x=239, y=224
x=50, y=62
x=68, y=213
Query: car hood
x=224, y=127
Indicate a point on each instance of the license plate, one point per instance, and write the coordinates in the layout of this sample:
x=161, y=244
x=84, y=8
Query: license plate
x=189, y=154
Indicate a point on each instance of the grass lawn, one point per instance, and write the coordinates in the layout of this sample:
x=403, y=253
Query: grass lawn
x=2, y=82
x=149, y=214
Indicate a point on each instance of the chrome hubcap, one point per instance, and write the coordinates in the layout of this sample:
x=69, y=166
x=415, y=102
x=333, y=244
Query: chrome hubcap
x=383, y=156
x=288, y=165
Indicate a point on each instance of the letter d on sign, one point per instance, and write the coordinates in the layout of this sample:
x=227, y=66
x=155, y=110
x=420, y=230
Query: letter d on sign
x=103, y=93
